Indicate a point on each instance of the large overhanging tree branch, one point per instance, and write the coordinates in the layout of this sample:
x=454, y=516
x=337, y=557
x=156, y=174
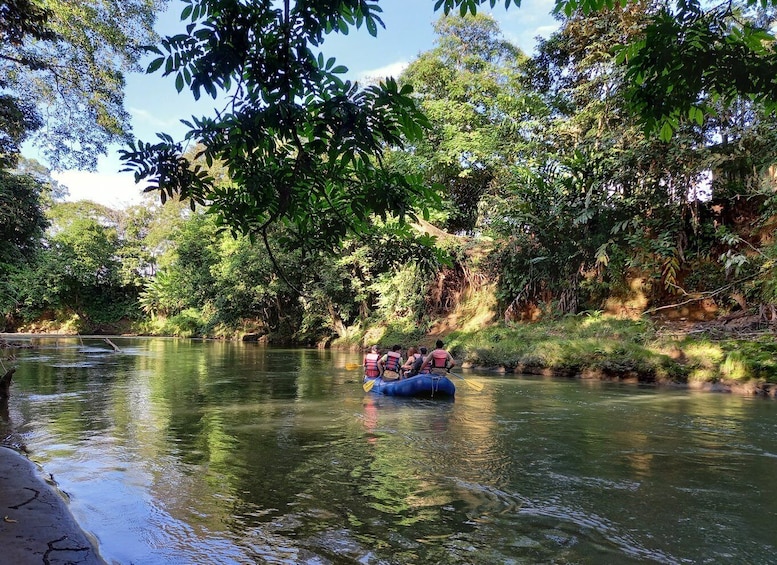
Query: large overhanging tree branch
x=302, y=146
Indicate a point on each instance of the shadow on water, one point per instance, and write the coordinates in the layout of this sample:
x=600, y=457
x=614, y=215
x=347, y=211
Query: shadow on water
x=178, y=451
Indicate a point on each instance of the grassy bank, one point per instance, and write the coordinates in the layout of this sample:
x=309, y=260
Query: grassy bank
x=606, y=347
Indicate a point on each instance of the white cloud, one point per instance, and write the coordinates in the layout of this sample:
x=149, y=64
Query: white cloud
x=390, y=70
x=116, y=190
x=546, y=31
x=533, y=19
x=147, y=117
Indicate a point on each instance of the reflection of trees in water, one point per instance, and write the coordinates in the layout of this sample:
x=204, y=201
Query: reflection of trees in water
x=223, y=444
x=419, y=452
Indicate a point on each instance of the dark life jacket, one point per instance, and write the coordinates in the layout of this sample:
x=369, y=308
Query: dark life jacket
x=416, y=368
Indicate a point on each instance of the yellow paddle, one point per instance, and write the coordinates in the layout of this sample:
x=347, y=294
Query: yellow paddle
x=368, y=384
x=471, y=384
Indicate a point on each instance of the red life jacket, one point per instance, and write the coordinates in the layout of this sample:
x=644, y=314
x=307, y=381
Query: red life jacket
x=439, y=359
x=392, y=361
x=371, y=365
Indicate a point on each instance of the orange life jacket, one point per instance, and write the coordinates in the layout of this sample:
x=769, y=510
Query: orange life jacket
x=371, y=365
x=392, y=361
x=439, y=359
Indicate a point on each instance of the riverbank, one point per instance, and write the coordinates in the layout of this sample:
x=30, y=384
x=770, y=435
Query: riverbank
x=718, y=356
x=736, y=354
x=755, y=387
x=37, y=526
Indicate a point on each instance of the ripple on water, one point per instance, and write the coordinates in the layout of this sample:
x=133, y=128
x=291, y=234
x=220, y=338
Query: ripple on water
x=596, y=482
x=550, y=525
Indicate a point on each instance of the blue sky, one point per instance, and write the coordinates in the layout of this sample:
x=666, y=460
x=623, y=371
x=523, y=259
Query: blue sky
x=155, y=106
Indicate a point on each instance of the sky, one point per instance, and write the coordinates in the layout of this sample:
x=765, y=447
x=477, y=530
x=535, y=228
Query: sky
x=155, y=106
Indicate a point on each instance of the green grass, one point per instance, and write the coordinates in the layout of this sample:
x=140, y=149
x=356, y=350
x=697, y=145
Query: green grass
x=600, y=346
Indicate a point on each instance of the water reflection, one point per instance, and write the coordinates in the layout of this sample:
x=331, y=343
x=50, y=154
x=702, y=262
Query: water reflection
x=178, y=451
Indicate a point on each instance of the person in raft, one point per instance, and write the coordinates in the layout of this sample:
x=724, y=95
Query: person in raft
x=416, y=368
x=412, y=356
x=439, y=361
x=390, y=364
x=371, y=368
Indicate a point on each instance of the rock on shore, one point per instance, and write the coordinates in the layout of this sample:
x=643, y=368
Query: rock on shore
x=36, y=525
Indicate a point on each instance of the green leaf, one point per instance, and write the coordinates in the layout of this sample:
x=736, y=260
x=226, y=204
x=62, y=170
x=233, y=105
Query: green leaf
x=666, y=132
x=154, y=65
x=601, y=255
x=151, y=49
x=372, y=28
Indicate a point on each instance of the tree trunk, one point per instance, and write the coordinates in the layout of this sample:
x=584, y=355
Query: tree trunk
x=337, y=321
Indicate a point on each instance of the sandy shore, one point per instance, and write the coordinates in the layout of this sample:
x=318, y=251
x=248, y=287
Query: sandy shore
x=36, y=526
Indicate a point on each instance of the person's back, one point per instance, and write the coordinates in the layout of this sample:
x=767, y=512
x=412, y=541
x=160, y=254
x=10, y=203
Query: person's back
x=412, y=356
x=439, y=361
x=418, y=364
x=390, y=364
x=371, y=368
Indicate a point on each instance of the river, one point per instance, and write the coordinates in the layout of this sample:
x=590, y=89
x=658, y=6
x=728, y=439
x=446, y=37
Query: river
x=198, y=452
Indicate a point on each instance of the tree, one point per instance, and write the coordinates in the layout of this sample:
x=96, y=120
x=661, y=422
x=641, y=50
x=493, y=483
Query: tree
x=601, y=201
x=21, y=19
x=597, y=195
x=470, y=87
x=53, y=191
x=17, y=121
x=22, y=219
x=689, y=60
x=693, y=61
x=76, y=273
x=303, y=148
x=62, y=67
x=85, y=249
x=22, y=222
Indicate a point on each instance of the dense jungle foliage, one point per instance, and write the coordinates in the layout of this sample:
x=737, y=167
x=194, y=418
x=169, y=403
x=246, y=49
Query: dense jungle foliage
x=484, y=187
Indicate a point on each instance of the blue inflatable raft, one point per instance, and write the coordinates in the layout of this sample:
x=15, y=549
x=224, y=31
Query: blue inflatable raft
x=425, y=385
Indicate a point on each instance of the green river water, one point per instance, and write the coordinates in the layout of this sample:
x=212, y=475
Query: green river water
x=195, y=452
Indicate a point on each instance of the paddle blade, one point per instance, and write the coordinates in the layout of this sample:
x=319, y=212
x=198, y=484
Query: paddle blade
x=367, y=386
x=474, y=385
x=352, y=366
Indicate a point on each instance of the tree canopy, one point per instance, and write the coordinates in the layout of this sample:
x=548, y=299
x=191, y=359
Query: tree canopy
x=305, y=148
x=62, y=67
x=560, y=200
x=302, y=147
x=470, y=85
